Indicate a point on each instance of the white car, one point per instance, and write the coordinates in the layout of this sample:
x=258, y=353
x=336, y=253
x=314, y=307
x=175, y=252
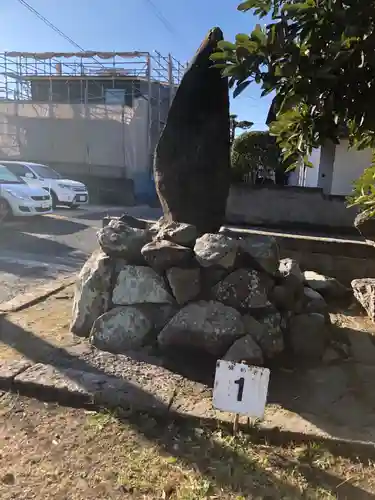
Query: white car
x=63, y=191
x=20, y=200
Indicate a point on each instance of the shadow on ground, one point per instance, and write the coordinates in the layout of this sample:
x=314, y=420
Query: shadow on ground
x=99, y=215
x=28, y=256
x=48, y=225
x=336, y=396
x=140, y=212
x=226, y=466
x=36, y=272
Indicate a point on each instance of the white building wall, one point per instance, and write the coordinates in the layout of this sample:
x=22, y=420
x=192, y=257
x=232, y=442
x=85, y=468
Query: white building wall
x=306, y=176
x=294, y=177
x=349, y=164
x=311, y=174
x=83, y=135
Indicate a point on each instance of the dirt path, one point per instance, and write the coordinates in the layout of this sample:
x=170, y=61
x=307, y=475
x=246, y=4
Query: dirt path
x=47, y=321
x=50, y=452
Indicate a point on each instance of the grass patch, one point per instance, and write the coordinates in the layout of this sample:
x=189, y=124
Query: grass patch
x=51, y=452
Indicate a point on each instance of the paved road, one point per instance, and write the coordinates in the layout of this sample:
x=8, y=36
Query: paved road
x=39, y=249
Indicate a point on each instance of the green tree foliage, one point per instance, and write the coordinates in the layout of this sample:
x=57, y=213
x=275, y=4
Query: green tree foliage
x=317, y=57
x=363, y=194
x=235, y=124
x=254, y=152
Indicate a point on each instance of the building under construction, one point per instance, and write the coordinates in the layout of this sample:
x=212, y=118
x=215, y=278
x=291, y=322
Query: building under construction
x=94, y=115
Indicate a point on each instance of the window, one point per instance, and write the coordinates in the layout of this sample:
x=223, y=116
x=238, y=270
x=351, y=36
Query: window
x=114, y=96
x=7, y=177
x=19, y=169
x=46, y=172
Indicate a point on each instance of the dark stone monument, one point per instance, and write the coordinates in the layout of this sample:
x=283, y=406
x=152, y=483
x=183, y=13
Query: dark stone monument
x=192, y=159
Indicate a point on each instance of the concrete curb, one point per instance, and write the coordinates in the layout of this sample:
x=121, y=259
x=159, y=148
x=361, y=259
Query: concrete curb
x=36, y=295
x=78, y=388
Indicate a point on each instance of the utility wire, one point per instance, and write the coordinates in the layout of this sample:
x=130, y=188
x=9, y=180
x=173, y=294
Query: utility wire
x=158, y=13
x=50, y=25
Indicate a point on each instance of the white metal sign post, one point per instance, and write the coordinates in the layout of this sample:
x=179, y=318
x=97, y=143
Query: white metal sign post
x=240, y=389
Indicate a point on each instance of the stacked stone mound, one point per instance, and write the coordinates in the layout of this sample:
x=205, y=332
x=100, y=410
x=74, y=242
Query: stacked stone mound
x=230, y=296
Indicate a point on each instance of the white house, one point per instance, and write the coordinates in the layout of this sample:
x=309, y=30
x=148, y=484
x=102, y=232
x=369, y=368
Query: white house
x=335, y=168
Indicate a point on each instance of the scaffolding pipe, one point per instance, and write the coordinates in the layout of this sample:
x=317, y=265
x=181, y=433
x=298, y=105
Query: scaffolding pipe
x=18, y=69
x=170, y=79
x=149, y=108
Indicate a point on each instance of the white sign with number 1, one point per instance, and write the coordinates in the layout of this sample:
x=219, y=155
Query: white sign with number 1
x=240, y=388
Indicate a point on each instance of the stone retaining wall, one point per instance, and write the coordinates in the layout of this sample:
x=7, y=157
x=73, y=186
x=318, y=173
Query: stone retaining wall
x=287, y=206
x=344, y=260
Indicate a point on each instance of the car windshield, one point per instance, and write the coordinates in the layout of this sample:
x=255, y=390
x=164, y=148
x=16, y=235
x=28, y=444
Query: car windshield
x=6, y=177
x=46, y=172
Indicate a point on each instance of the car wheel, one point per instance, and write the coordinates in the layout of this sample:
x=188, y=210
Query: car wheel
x=5, y=210
x=73, y=206
x=54, y=200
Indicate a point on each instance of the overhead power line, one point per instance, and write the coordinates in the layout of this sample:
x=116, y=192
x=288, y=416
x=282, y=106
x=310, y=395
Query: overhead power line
x=50, y=25
x=158, y=13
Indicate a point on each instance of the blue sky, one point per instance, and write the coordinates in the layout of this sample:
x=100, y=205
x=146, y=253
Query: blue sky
x=126, y=25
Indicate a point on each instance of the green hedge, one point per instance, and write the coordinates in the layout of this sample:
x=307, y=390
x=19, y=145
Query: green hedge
x=253, y=151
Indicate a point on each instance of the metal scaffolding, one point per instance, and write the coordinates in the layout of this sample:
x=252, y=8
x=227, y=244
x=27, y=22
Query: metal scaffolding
x=89, y=78
x=18, y=70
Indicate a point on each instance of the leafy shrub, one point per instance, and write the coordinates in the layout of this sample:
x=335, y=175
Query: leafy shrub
x=363, y=195
x=254, y=152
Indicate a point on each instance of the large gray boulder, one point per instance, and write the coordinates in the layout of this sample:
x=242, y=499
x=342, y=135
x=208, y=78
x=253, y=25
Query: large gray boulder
x=178, y=232
x=118, y=239
x=314, y=302
x=291, y=282
x=210, y=276
x=364, y=292
x=266, y=331
x=138, y=285
x=283, y=297
x=185, y=283
x=290, y=267
x=264, y=250
x=216, y=250
x=327, y=286
x=245, y=349
x=163, y=254
x=192, y=158
x=92, y=293
x=243, y=289
x=209, y=326
x=159, y=314
x=121, y=329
